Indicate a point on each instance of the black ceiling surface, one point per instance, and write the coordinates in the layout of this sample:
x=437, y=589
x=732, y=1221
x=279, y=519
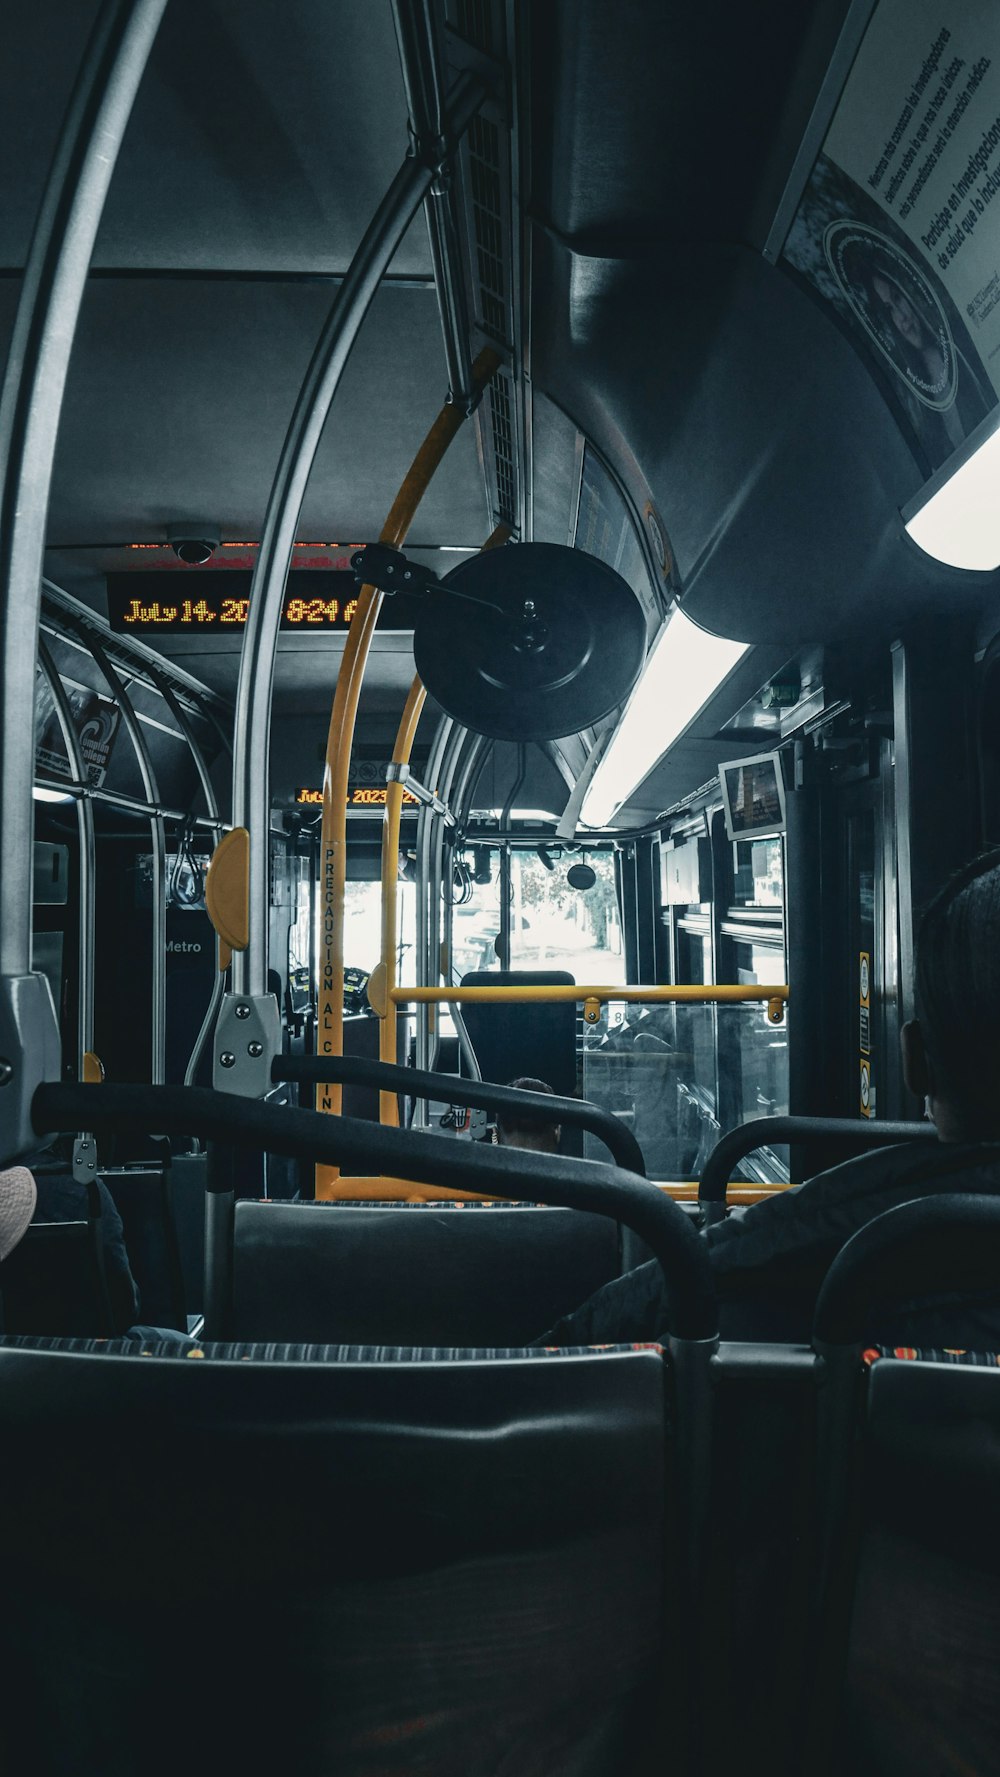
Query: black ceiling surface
x=264, y=134
x=180, y=392
x=665, y=124
x=777, y=467
x=262, y=138
x=775, y=463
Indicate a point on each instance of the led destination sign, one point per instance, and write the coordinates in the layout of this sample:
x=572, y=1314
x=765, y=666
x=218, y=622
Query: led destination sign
x=359, y=796
x=218, y=602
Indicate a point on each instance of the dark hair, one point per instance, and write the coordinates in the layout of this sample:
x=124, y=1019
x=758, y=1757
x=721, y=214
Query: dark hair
x=957, y=987
x=532, y=1122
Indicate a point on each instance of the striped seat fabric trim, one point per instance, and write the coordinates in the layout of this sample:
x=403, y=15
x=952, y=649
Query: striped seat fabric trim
x=246, y=1352
x=984, y=1360
x=388, y=1203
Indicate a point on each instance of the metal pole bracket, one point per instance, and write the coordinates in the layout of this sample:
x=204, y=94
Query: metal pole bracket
x=247, y=1041
x=30, y=1054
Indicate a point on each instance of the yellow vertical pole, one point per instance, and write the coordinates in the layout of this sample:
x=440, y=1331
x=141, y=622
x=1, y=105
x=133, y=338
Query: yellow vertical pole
x=412, y=710
x=340, y=738
x=388, y=1101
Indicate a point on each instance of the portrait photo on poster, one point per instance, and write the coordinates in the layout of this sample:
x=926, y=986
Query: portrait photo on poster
x=895, y=310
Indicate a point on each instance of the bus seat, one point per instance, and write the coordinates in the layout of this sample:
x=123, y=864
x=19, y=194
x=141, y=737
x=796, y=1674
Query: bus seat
x=373, y=1564
x=907, y=1610
x=921, y=1696
x=512, y=1041
x=416, y=1274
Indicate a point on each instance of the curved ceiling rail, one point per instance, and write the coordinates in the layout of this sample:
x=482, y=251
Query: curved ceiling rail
x=157, y=832
x=425, y=102
x=30, y=407
x=251, y=786
x=186, y=727
x=424, y=947
x=87, y=878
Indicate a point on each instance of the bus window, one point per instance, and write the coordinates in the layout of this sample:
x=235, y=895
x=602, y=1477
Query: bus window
x=475, y=919
x=556, y=926
x=753, y=1054
x=363, y=928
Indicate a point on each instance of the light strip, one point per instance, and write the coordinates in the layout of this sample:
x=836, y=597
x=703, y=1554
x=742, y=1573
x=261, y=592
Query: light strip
x=40, y=794
x=685, y=668
x=960, y=523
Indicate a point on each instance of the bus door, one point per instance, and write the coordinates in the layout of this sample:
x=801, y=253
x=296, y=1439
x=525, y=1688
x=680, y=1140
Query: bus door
x=870, y=1077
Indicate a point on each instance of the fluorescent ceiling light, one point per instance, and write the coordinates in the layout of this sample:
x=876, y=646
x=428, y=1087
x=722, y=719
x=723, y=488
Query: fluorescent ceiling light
x=43, y=795
x=960, y=523
x=685, y=668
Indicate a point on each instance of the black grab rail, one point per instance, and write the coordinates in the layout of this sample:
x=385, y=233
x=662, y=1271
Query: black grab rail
x=944, y=1244
x=516, y=1173
x=848, y=1132
x=350, y=1070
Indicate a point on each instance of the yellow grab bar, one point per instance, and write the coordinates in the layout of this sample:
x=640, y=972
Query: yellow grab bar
x=389, y=1110
x=340, y=739
x=557, y=995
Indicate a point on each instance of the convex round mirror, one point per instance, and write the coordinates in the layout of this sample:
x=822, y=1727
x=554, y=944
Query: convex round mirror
x=581, y=876
x=535, y=641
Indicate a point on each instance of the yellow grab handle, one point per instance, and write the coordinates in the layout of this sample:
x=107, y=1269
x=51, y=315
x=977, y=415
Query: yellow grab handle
x=227, y=892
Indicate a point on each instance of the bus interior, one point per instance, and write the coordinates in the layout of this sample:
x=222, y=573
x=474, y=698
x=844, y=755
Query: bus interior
x=499, y=541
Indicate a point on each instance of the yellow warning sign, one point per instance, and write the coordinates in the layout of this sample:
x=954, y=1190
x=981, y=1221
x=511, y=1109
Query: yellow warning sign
x=864, y=995
x=866, y=1087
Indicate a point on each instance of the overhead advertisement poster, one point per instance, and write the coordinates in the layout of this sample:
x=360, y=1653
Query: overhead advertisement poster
x=898, y=229
x=95, y=719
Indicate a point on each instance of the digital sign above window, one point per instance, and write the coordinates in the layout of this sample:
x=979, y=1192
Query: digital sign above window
x=217, y=603
x=358, y=796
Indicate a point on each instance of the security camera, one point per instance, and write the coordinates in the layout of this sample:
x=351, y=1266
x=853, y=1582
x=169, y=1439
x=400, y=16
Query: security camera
x=194, y=544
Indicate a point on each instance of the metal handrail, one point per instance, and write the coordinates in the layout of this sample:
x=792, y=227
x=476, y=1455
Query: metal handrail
x=514, y=1173
x=454, y=1089
x=251, y=805
x=682, y=996
x=31, y=396
x=158, y=843
x=87, y=867
x=766, y=1131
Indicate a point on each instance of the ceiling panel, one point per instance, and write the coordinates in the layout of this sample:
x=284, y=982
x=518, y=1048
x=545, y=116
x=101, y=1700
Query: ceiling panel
x=180, y=393
x=263, y=135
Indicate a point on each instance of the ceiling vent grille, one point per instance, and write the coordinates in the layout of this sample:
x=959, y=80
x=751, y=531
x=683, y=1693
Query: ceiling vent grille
x=476, y=34
x=487, y=216
x=503, y=448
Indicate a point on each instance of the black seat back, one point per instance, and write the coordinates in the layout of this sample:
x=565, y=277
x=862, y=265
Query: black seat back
x=415, y=1274
x=921, y=1694
x=451, y=1566
x=51, y=1283
x=909, y=1602
x=515, y=1040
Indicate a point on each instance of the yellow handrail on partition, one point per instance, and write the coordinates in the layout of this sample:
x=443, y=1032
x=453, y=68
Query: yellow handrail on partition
x=396, y=1190
x=340, y=739
x=593, y=998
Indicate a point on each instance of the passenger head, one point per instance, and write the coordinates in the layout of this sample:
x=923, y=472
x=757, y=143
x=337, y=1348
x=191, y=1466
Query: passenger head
x=951, y=1049
x=528, y=1129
